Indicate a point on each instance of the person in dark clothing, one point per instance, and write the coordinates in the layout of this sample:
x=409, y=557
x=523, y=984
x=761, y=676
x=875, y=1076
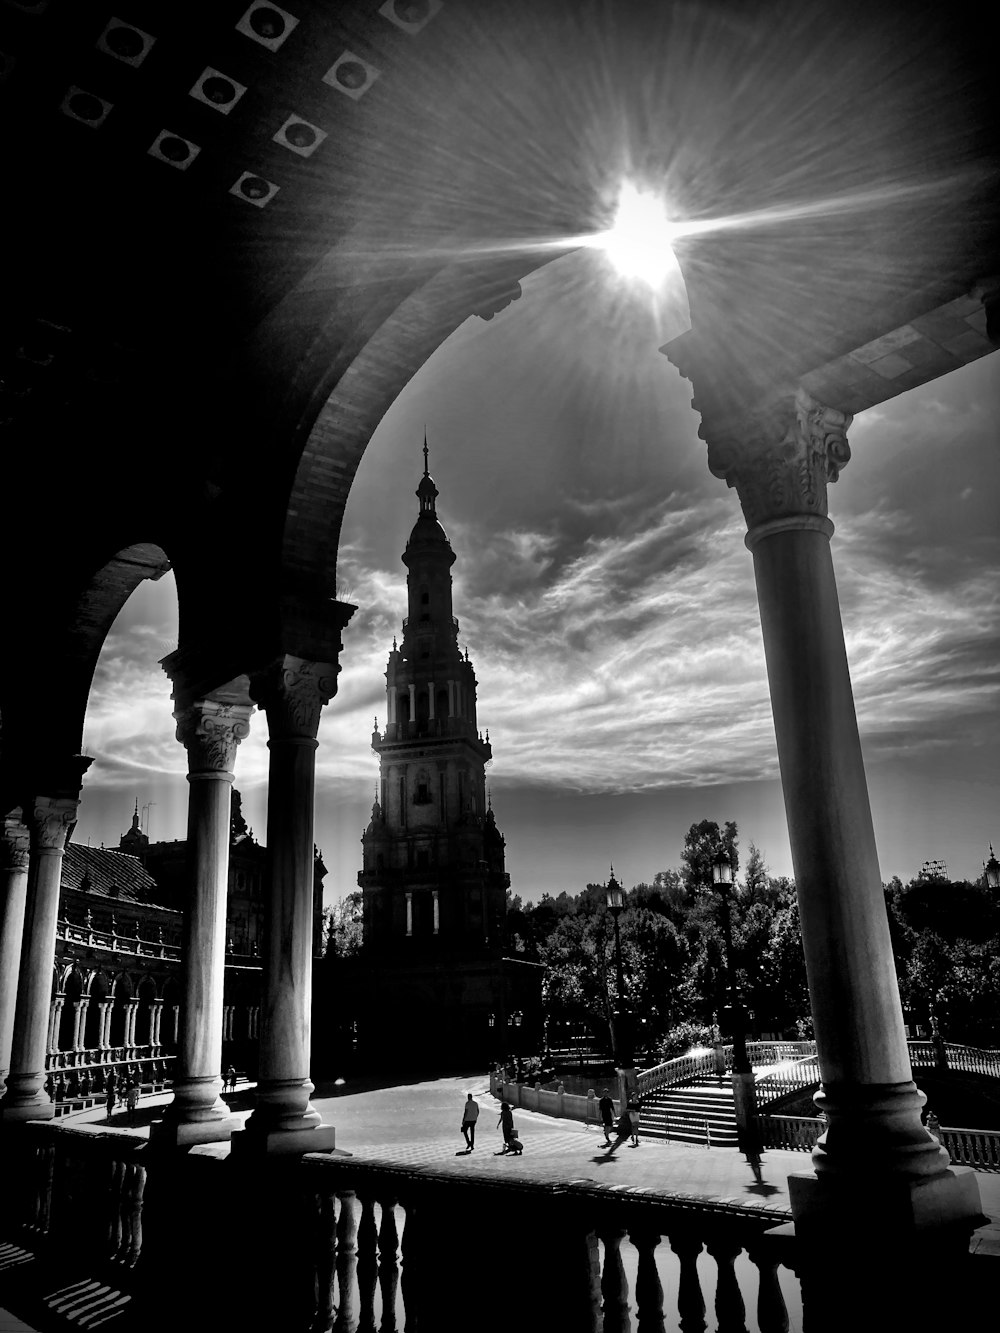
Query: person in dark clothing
x=506, y=1126
x=607, y=1109
x=623, y=1131
x=110, y=1092
x=470, y=1115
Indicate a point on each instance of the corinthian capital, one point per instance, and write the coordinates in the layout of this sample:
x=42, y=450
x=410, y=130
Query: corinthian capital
x=14, y=846
x=210, y=731
x=51, y=819
x=781, y=463
x=292, y=692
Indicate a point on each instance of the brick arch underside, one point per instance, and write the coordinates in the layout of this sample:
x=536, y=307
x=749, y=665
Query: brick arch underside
x=44, y=709
x=352, y=409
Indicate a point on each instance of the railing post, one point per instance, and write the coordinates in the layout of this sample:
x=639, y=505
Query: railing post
x=388, y=1265
x=614, y=1284
x=648, y=1288
x=729, y=1308
x=772, y=1314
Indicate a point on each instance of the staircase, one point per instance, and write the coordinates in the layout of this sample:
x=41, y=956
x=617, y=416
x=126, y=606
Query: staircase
x=701, y=1110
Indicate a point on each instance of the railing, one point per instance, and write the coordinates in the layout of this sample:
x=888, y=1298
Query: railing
x=793, y=1133
x=678, y=1070
x=792, y=1077
x=952, y=1055
x=87, y=1082
x=720, y=1060
x=979, y=1148
x=115, y=942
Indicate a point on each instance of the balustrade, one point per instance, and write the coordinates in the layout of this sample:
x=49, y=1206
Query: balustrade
x=116, y=941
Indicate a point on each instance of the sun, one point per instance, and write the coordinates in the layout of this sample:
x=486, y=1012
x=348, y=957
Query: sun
x=639, y=240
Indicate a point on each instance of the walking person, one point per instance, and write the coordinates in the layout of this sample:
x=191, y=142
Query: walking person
x=749, y=1143
x=110, y=1092
x=607, y=1109
x=230, y=1079
x=132, y=1098
x=470, y=1115
x=623, y=1131
x=506, y=1126
x=633, y=1111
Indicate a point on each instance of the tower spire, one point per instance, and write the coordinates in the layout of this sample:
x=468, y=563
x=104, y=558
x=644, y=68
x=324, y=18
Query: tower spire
x=426, y=471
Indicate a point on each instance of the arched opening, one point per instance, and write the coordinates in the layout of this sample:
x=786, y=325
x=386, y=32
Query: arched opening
x=143, y=1023
x=98, y=991
x=121, y=998
x=72, y=989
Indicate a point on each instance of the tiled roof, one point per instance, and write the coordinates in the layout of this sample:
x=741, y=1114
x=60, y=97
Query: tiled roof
x=105, y=870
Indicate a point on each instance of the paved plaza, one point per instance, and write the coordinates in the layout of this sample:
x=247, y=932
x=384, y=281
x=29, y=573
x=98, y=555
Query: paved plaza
x=418, y=1124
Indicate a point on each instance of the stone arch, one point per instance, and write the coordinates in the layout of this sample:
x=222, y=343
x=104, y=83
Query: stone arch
x=81, y=614
x=122, y=993
x=72, y=987
x=146, y=993
x=98, y=990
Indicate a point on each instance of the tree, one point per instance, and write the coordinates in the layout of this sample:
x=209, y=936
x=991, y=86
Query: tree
x=344, y=926
x=702, y=844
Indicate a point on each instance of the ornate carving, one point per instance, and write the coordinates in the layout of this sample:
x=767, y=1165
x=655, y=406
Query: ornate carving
x=292, y=692
x=51, y=820
x=210, y=732
x=781, y=464
x=14, y=846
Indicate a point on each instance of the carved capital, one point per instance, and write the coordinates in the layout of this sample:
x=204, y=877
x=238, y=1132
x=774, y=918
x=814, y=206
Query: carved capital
x=781, y=463
x=51, y=818
x=14, y=846
x=292, y=692
x=210, y=732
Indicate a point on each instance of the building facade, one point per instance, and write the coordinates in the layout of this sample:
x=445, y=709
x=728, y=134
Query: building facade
x=433, y=876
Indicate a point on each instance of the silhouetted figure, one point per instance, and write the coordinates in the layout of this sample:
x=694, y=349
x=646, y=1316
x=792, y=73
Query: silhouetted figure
x=506, y=1126
x=607, y=1109
x=470, y=1115
x=110, y=1092
x=132, y=1099
x=633, y=1114
x=230, y=1079
x=624, y=1132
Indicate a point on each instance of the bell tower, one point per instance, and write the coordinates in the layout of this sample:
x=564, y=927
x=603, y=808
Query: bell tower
x=433, y=875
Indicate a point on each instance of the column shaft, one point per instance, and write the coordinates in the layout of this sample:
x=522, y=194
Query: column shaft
x=13, y=897
x=26, y=1098
x=211, y=732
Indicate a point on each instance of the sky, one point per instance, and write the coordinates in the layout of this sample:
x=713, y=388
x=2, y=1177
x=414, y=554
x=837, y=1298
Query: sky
x=607, y=601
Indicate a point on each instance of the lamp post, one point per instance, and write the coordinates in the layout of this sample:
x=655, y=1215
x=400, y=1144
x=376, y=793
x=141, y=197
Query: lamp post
x=991, y=868
x=744, y=1090
x=615, y=898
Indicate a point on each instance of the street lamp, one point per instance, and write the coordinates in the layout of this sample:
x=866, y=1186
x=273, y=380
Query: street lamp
x=615, y=899
x=722, y=881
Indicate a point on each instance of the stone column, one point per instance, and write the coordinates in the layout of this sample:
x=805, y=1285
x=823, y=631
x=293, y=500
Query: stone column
x=80, y=1024
x=13, y=894
x=104, y=1024
x=55, y=1019
x=49, y=821
x=292, y=693
x=780, y=467
x=210, y=730
x=155, y=1015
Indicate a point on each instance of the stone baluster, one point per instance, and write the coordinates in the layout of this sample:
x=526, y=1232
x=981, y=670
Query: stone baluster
x=730, y=1311
x=614, y=1284
x=367, y=1263
x=347, y=1262
x=648, y=1288
x=14, y=858
x=133, y=1188
x=772, y=1313
x=411, y=1275
x=326, y=1260
x=690, y=1298
x=49, y=821
x=388, y=1262
x=292, y=694
x=210, y=730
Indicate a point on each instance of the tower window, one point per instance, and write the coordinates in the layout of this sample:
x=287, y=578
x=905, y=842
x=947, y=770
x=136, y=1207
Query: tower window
x=425, y=598
x=423, y=796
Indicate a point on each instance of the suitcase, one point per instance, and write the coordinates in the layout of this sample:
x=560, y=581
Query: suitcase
x=515, y=1146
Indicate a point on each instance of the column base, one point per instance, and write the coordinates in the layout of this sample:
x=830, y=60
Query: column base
x=881, y=1203
x=28, y=1109
x=258, y=1142
x=168, y=1133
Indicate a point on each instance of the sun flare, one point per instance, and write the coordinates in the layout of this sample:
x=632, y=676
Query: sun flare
x=639, y=240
